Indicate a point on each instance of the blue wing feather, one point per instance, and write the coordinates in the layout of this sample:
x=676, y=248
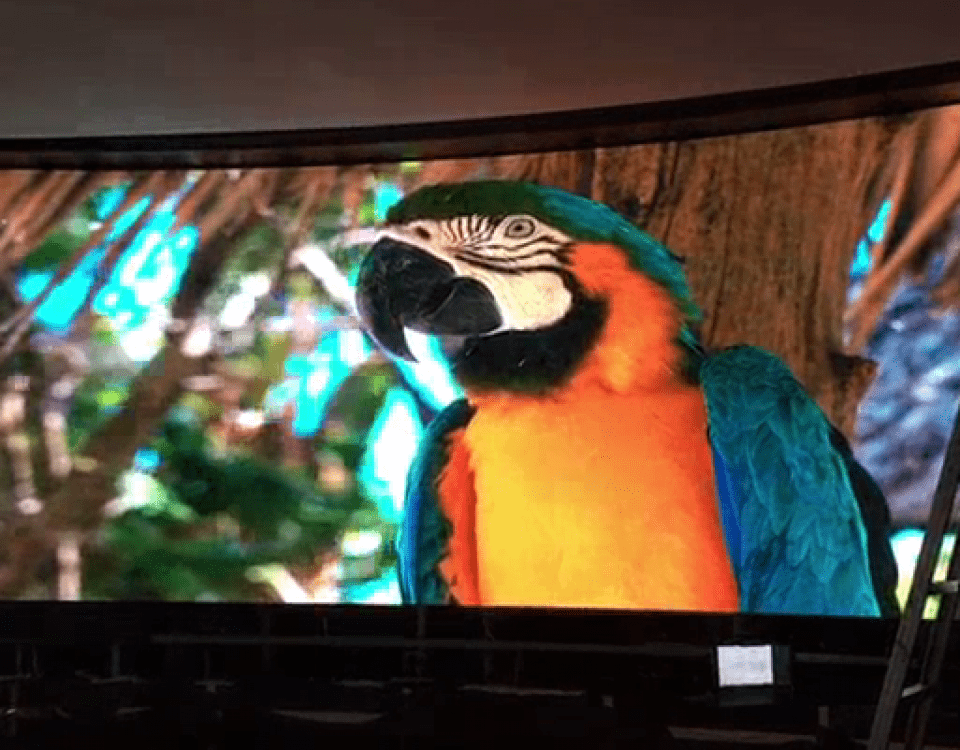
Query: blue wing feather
x=729, y=509
x=424, y=531
x=801, y=545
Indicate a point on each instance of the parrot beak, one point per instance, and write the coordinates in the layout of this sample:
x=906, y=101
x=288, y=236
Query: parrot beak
x=401, y=286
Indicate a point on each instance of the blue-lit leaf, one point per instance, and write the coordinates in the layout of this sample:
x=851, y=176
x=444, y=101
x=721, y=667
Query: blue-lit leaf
x=382, y=590
x=299, y=365
x=431, y=372
x=59, y=308
x=875, y=232
x=108, y=200
x=861, y=260
x=391, y=445
x=879, y=226
x=385, y=196
x=127, y=219
x=146, y=459
x=317, y=390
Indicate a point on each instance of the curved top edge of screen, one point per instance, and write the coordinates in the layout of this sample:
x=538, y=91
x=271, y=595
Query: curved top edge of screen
x=876, y=94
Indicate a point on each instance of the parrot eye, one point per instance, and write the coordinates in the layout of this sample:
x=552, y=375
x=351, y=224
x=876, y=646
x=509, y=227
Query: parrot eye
x=519, y=228
x=422, y=232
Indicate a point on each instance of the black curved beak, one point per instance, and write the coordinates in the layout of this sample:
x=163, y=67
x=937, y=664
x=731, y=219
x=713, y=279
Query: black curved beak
x=402, y=286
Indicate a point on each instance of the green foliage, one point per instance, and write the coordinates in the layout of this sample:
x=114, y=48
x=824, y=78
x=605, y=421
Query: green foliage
x=273, y=348
x=300, y=285
x=206, y=520
x=366, y=213
x=259, y=250
x=94, y=403
x=59, y=245
x=360, y=397
x=258, y=494
x=63, y=241
x=328, y=222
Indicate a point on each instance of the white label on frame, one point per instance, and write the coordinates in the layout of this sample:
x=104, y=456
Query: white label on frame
x=745, y=665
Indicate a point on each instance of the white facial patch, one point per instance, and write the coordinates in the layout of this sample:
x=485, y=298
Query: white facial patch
x=527, y=301
x=512, y=257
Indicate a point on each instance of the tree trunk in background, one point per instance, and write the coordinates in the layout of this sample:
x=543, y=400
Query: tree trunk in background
x=768, y=223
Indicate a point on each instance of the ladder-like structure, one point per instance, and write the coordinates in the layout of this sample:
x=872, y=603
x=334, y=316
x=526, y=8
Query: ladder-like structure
x=920, y=696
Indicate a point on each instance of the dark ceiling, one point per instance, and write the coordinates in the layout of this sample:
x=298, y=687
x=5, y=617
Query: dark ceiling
x=108, y=67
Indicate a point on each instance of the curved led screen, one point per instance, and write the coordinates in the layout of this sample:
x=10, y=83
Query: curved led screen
x=711, y=375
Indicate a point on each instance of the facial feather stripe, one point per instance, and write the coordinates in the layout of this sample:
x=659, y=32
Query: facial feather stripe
x=517, y=257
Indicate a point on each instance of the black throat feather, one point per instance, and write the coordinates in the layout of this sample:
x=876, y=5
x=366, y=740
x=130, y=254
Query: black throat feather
x=533, y=362
x=538, y=362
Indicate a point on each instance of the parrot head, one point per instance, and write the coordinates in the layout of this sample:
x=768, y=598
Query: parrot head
x=530, y=286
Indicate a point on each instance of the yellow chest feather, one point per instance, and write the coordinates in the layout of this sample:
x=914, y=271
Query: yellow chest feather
x=605, y=501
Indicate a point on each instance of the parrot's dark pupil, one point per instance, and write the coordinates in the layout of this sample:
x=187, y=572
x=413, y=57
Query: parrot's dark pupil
x=519, y=228
x=422, y=233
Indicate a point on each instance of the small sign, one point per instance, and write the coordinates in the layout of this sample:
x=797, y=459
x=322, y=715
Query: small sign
x=745, y=665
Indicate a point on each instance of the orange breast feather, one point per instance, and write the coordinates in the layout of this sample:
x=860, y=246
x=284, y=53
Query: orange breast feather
x=606, y=502
x=458, y=504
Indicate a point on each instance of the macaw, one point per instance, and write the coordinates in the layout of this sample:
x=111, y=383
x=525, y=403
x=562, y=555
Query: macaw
x=602, y=457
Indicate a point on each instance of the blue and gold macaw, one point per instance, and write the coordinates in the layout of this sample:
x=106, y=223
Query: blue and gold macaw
x=602, y=458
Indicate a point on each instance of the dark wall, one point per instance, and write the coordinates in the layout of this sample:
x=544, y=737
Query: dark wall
x=86, y=67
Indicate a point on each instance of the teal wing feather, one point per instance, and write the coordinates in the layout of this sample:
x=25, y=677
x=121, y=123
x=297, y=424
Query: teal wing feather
x=876, y=517
x=803, y=542
x=422, y=540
